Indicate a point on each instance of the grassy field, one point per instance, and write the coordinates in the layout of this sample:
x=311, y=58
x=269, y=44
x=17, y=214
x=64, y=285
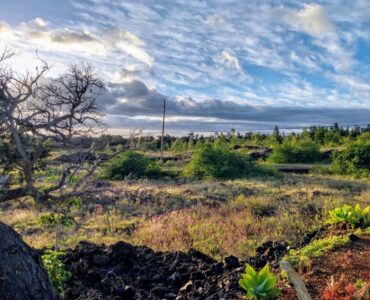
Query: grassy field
x=219, y=218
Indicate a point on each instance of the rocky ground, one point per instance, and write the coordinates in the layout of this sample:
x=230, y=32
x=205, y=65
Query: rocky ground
x=123, y=271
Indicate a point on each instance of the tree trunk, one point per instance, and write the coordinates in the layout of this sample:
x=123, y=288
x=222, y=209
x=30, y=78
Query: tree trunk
x=22, y=276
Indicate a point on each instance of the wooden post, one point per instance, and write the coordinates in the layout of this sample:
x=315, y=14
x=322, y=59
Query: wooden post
x=163, y=121
x=298, y=283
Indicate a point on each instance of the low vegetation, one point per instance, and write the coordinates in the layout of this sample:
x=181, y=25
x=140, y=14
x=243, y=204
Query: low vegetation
x=55, y=268
x=302, y=258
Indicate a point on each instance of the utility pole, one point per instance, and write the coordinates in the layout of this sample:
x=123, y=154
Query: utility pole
x=163, y=121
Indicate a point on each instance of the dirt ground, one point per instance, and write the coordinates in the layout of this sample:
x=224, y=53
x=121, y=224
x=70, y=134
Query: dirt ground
x=353, y=261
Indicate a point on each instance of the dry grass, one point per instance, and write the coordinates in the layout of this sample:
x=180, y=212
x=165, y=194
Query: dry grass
x=218, y=218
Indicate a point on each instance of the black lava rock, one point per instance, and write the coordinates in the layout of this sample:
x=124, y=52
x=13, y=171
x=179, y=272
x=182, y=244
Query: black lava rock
x=231, y=262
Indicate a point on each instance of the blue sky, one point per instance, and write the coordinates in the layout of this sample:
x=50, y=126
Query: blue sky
x=220, y=64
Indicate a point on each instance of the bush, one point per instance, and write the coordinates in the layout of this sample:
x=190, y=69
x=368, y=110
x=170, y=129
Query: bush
x=211, y=161
x=296, y=152
x=354, y=160
x=132, y=164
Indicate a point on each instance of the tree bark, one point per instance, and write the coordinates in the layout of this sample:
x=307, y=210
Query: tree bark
x=22, y=276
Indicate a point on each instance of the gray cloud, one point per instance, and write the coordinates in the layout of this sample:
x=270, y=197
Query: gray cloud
x=264, y=118
x=137, y=106
x=73, y=37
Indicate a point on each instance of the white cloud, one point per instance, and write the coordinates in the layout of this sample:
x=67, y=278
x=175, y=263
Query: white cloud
x=39, y=22
x=352, y=82
x=215, y=21
x=229, y=60
x=135, y=52
x=5, y=30
x=4, y=27
x=312, y=19
x=76, y=40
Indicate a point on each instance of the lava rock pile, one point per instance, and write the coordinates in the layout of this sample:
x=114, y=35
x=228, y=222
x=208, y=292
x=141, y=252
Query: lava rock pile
x=124, y=271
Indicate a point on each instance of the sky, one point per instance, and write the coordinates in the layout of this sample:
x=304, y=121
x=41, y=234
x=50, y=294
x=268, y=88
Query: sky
x=220, y=64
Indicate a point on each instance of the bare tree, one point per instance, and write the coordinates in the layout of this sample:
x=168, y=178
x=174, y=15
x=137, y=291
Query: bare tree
x=134, y=133
x=36, y=111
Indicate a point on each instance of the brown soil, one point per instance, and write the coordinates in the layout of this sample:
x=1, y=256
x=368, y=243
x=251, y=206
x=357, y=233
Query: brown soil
x=354, y=266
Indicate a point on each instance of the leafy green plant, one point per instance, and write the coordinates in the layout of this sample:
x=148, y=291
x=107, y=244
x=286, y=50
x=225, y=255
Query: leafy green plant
x=352, y=215
x=259, y=285
x=302, y=257
x=55, y=268
x=132, y=164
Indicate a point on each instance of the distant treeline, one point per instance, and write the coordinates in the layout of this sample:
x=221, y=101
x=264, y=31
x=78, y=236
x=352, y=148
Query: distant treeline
x=323, y=136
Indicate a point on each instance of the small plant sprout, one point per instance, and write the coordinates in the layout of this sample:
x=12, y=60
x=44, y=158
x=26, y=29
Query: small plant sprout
x=259, y=285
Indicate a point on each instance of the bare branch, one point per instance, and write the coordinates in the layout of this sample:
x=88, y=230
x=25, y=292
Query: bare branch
x=35, y=110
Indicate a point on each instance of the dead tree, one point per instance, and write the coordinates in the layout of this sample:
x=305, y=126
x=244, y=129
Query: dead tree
x=35, y=115
x=133, y=135
x=36, y=112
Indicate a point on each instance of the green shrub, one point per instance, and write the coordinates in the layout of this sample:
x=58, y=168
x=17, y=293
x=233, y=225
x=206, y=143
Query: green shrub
x=55, y=268
x=350, y=215
x=354, y=160
x=132, y=164
x=259, y=285
x=214, y=162
x=296, y=152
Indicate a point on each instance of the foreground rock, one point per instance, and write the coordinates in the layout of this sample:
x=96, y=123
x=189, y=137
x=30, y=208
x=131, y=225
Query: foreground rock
x=22, y=276
x=123, y=271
